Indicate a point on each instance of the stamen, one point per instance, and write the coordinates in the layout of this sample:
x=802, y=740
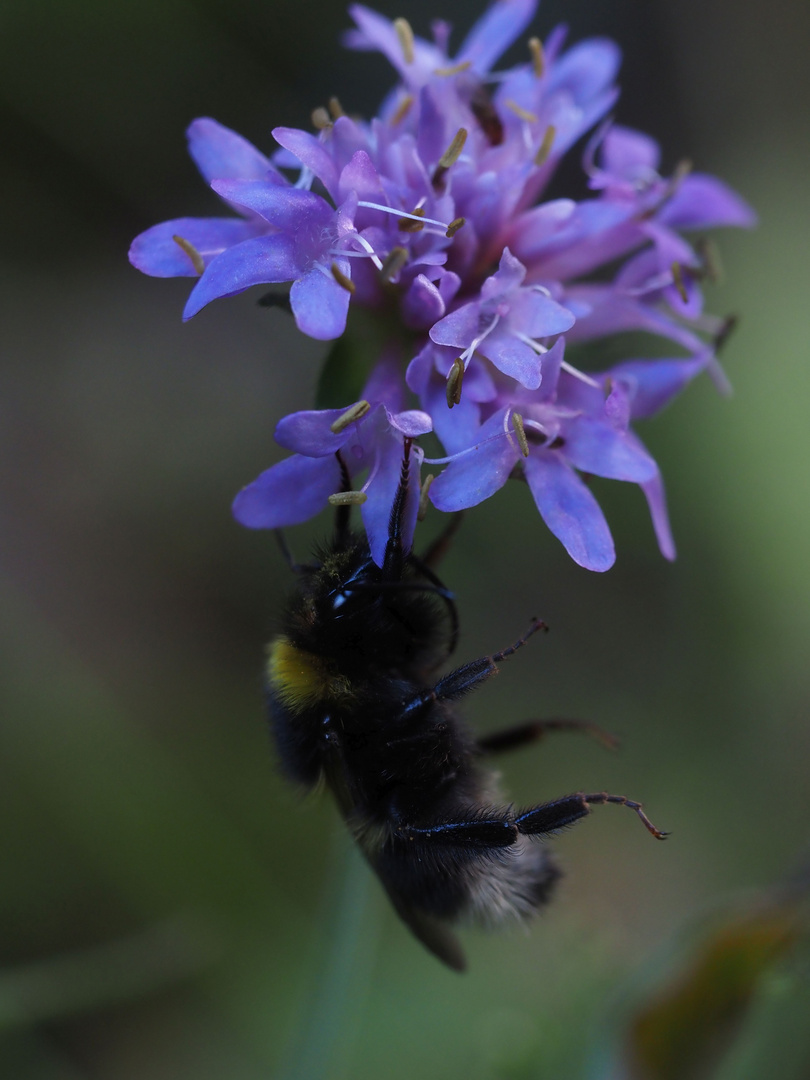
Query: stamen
x=417, y=215
x=321, y=118
x=455, y=379
x=518, y=110
x=335, y=108
x=394, y=261
x=403, y=109
x=453, y=70
x=467, y=355
x=196, y=258
x=727, y=328
x=710, y=256
x=421, y=513
x=454, y=226
x=544, y=149
x=405, y=36
x=520, y=433
x=361, y=240
x=348, y=498
x=353, y=413
x=449, y=157
x=451, y=154
x=678, y=282
x=538, y=59
x=343, y=281
x=413, y=222
x=535, y=345
x=579, y=374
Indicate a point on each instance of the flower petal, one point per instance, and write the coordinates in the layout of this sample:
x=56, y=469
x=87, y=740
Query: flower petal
x=311, y=153
x=281, y=206
x=156, y=252
x=476, y=473
x=319, y=304
x=261, y=261
x=570, y=511
x=600, y=449
x=291, y=492
x=219, y=152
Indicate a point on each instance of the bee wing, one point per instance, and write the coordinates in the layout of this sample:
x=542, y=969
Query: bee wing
x=435, y=935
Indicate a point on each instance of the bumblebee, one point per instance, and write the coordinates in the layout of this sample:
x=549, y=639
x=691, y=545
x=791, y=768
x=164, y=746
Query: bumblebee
x=355, y=698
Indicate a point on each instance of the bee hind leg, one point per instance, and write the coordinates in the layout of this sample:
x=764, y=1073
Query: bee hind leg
x=551, y=816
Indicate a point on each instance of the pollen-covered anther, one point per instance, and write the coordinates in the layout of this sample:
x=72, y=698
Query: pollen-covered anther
x=538, y=57
x=405, y=37
x=335, y=108
x=518, y=110
x=394, y=261
x=353, y=413
x=455, y=380
x=450, y=156
x=196, y=258
x=454, y=226
x=402, y=110
x=344, y=282
x=411, y=223
x=727, y=328
x=710, y=257
x=348, y=498
x=421, y=513
x=456, y=69
x=321, y=120
x=544, y=149
x=520, y=433
x=678, y=281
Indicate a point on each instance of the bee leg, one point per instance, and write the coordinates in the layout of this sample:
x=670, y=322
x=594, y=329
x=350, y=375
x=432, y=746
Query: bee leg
x=494, y=832
x=534, y=730
x=467, y=677
x=551, y=816
x=394, y=557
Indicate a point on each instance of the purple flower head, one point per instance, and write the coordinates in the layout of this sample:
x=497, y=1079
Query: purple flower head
x=430, y=216
x=369, y=437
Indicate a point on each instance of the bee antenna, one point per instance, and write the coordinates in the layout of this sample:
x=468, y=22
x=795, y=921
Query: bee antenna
x=394, y=549
x=343, y=511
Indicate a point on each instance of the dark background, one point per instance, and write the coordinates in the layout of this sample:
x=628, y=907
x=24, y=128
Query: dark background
x=169, y=908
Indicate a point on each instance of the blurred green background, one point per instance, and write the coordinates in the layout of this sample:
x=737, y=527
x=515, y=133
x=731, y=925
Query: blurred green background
x=169, y=908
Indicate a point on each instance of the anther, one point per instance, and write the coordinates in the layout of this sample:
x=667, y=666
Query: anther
x=538, y=58
x=710, y=257
x=454, y=226
x=393, y=263
x=727, y=328
x=450, y=156
x=421, y=513
x=453, y=151
x=344, y=282
x=335, y=108
x=348, y=498
x=455, y=379
x=408, y=224
x=196, y=258
x=354, y=412
x=544, y=149
x=678, y=281
x=405, y=36
x=520, y=433
x=321, y=120
x=518, y=110
x=454, y=70
x=403, y=109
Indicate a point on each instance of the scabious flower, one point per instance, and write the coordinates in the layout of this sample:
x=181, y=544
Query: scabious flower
x=432, y=217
